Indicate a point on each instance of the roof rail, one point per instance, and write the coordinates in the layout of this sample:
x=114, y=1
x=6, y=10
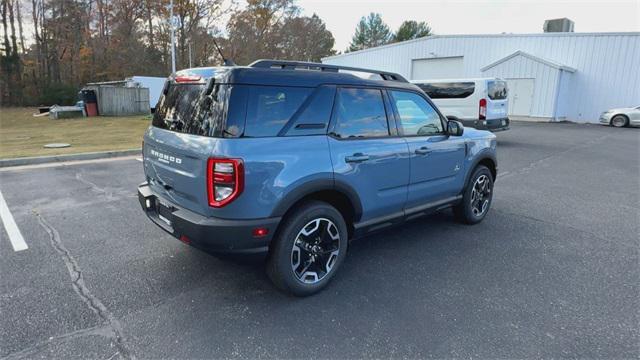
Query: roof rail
x=293, y=65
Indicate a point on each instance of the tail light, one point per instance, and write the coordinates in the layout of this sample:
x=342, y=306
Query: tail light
x=482, y=111
x=225, y=180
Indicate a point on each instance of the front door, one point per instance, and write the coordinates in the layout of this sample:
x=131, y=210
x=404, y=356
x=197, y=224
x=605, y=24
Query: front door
x=365, y=155
x=437, y=159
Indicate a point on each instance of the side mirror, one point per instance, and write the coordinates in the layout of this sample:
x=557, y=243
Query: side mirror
x=455, y=128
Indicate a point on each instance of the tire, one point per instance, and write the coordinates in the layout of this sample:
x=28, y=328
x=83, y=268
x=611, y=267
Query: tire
x=473, y=209
x=619, y=121
x=308, y=249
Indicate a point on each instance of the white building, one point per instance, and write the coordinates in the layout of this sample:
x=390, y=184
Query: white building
x=551, y=76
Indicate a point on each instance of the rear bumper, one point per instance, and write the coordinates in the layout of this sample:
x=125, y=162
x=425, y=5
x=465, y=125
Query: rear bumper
x=493, y=125
x=206, y=233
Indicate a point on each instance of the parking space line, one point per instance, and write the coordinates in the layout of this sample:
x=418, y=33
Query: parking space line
x=17, y=241
x=139, y=159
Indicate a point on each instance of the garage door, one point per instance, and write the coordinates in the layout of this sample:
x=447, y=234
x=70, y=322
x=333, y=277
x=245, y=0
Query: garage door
x=437, y=68
x=520, y=96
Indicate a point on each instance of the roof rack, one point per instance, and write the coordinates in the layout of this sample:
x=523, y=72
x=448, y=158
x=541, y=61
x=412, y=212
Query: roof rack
x=293, y=65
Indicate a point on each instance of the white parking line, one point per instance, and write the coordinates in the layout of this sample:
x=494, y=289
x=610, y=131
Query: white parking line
x=139, y=159
x=17, y=241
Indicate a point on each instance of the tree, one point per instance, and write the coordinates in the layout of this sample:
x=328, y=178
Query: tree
x=412, y=30
x=274, y=29
x=305, y=38
x=371, y=31
x=64, y=44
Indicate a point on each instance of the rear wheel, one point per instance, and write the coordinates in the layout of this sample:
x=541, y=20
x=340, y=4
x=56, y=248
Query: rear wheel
x=308, y=249
x=619, y=121
x=477, y=197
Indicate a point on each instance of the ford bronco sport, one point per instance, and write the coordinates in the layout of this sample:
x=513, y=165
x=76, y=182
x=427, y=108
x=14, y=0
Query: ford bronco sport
x=293, y=159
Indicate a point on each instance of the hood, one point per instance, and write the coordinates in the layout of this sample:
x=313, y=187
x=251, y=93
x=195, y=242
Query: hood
x=620, y=110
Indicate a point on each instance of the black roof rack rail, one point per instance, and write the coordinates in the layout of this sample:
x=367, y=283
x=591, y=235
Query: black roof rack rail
x=292, y=65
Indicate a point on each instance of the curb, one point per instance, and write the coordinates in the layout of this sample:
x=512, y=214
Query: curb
x=71, y=157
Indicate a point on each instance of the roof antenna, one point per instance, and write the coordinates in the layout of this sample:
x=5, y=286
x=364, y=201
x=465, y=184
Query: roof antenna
x=226, y=62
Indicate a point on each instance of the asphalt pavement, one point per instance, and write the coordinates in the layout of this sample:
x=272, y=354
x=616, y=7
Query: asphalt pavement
x=553, y=271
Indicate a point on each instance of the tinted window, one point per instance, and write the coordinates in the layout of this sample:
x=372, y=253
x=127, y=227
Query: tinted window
x=186, y=108
x=269, y=108
x=497, y=90
x=455, y=90
x=313, y=117
x=360, y=113
x=417, y=116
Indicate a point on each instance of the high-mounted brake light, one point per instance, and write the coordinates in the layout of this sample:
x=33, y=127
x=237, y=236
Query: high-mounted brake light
x=187, y=78
x=225, y=180
x=482, y=111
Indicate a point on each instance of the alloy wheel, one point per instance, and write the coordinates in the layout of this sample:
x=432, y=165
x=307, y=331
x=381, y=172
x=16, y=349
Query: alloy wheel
x=480, y=195
x=618, y=121
x=315, y=250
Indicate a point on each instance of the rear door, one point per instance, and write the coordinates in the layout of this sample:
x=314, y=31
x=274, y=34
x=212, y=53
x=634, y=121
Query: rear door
x=497, y=99
x=367, y=154
x=436, y=159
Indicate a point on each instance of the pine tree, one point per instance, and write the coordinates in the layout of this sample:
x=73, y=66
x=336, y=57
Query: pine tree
x=371, y=31
x=412, y=30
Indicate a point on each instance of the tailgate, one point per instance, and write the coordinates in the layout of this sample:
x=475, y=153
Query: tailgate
x=175, y=166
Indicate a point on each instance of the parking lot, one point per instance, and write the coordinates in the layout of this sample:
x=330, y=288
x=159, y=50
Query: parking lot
x=553, y=271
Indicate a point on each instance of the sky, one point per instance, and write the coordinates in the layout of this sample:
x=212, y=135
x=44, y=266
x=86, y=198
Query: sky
x=476, y=17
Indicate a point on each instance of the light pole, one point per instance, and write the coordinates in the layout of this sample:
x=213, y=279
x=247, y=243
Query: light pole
x=173, y=39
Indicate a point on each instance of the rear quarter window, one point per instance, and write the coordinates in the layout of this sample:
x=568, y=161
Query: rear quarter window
x=497, y=90
x=452, y=90
x=269, y=108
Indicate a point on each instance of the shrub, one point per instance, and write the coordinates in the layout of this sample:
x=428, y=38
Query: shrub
x=59, y=94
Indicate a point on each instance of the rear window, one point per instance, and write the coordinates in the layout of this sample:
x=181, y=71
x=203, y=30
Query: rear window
x=497, y=90
x=269, y=108
x=187, y=109
x=452, y=90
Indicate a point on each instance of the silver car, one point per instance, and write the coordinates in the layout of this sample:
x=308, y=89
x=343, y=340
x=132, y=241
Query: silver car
x=621, y=117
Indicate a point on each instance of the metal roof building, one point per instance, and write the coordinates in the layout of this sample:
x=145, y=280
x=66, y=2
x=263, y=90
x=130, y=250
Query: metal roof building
x=551, y=76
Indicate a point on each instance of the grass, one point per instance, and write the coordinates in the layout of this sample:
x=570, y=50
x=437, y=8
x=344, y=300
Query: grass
x=21, y=134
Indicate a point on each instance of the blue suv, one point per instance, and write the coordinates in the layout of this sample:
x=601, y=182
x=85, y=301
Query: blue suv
x=293, y=159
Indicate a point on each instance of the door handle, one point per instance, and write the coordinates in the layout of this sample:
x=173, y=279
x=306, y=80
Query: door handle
x=356, y=158
x=423, y=151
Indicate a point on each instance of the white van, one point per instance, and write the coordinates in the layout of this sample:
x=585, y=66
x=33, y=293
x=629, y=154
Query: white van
x=478, y=103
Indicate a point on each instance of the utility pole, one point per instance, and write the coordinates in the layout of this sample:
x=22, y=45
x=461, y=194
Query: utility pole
x=173, y=39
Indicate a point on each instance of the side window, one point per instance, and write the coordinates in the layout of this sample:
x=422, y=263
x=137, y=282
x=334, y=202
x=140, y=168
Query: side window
x=269, y=108
x=457, y=90
x=417, y=116
x=360, y=113
x=313, y=117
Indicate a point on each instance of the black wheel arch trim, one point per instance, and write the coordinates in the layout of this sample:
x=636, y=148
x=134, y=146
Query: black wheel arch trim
x=481, y=156
x=313, y=186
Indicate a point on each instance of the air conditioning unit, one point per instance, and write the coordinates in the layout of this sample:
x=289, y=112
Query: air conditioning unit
x=558, y=25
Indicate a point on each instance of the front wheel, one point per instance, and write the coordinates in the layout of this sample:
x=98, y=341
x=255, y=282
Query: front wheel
x=619, y=121
x=477, y=196
x=308, y=250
